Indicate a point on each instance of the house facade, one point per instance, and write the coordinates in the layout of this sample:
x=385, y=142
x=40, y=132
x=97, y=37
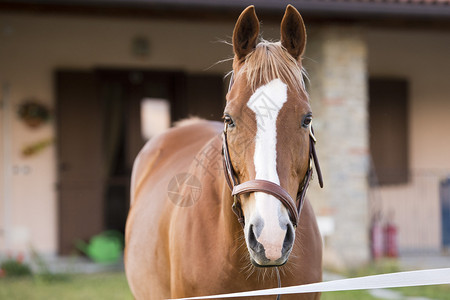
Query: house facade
x=378, y=87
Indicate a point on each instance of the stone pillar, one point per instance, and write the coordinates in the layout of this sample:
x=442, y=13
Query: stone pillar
x=336, y=60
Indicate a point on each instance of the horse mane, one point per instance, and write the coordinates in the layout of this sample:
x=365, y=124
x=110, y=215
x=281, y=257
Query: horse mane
x=269, y=61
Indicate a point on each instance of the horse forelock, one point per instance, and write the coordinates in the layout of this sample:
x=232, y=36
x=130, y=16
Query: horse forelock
x=269, y=61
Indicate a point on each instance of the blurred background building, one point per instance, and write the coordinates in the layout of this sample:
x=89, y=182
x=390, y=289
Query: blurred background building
x=83, y=84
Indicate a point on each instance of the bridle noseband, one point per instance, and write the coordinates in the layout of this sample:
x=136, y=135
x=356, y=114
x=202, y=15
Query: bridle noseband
x=268, y=187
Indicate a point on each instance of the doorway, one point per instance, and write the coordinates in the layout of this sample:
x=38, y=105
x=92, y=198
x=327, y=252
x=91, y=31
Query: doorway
x=100, y=133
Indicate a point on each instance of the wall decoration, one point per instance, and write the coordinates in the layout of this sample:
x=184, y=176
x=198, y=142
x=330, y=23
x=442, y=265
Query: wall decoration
x=140, y=47
x=33, y=113
x=36, y=147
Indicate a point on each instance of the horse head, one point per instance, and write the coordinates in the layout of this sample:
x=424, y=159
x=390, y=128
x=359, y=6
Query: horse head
x=267, y=125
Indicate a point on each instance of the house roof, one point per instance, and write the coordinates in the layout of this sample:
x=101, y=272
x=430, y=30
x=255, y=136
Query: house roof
x=354, y=9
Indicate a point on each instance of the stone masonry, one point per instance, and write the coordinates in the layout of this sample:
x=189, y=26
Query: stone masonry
x=336, y=61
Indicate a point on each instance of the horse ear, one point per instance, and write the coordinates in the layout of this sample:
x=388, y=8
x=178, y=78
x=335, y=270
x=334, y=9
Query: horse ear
x=293, y=32
x=245, y=32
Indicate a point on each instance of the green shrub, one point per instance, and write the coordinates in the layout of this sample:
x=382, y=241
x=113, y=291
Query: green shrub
x=14, y=268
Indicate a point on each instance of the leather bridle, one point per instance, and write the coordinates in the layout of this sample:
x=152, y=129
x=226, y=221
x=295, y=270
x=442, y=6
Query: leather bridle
x=268, y=187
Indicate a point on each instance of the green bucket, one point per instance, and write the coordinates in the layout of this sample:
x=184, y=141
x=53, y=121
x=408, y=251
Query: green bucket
x=105, y=247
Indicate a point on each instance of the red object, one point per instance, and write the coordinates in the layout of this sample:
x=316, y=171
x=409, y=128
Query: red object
x=376, y=239
x=20, y=258
x=390, y=240
x=2, y=273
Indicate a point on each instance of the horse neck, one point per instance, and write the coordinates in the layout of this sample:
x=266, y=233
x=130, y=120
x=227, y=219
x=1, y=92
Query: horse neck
x=217, y=192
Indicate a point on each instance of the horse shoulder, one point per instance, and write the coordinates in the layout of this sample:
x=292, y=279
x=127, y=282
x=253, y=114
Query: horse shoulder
x=143, y=165
x=151, y=215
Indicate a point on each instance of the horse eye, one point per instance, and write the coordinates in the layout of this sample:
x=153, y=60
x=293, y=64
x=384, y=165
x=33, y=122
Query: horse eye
x=307, y=120
x=228, y=120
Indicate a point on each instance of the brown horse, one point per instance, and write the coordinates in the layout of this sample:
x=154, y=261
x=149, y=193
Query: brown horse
x=182, y=237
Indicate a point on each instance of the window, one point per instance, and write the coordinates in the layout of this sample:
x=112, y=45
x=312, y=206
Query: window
x=155, y=117
x=388, y=121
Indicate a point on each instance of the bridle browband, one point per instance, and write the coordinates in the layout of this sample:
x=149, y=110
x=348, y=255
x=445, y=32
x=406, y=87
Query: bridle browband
x=268, y=187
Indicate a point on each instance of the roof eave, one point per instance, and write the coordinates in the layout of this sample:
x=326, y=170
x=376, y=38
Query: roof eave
x=314, y=8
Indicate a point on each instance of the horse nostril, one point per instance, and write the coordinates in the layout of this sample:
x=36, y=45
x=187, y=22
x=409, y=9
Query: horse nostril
x=252, y=242
x=289, y=238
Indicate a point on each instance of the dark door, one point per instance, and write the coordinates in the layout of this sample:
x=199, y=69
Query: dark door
x=388, y=125
x=79, y=124
x=122, y=92
x=99, y=135
x=205, y=96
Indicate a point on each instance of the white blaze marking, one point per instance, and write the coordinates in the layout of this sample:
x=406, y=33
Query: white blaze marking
x=266, y=103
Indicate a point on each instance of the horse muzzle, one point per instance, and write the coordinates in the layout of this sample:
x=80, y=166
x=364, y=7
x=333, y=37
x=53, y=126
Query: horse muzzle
x=266, y=249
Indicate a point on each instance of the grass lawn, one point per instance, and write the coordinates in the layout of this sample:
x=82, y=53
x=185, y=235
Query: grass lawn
x=114, y=286
x=351, y=295
x=69, y=287
x=99, y=286
x=440, y=292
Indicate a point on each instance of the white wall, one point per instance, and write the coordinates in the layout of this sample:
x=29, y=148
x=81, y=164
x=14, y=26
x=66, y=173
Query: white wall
x=32, y=47
x=422, y=57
